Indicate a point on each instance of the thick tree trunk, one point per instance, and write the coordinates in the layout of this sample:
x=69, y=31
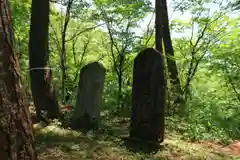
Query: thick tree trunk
x=16, y=134
x=163, y=37
x=42, y=91
x=158, y=25
x=168, y=47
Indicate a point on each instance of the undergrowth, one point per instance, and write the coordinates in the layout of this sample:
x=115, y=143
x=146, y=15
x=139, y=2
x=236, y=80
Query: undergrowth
x=56, y=142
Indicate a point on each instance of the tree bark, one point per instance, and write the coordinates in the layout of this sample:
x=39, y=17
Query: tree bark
x=42, y=90
x=63, y=50
x=159, y=25
x=163, y=37
x=16, y=132
x=168, y=47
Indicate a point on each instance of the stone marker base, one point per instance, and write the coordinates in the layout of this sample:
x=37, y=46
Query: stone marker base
x=138, y=145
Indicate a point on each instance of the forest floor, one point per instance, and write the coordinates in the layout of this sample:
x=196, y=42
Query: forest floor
x=56, y=143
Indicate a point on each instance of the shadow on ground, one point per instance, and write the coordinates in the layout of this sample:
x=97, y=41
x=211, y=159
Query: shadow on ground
x=56, y=143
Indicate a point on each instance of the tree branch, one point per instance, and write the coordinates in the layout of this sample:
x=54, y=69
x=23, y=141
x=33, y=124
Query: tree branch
x=83, y=31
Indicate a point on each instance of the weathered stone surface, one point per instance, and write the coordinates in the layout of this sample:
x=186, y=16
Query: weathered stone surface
x=89, y=97
x=148, y=97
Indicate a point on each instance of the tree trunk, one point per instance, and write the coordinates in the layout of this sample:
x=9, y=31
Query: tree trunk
x=16, y=133
x=63, y=50
x=168, y=47
x=42, y=91
x=163, y=36
x=158, y=25
x=63, y=63
x=120, y=90
x=120, y=81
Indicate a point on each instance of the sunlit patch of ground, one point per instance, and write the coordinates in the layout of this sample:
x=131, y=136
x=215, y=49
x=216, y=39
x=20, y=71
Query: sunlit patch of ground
x=56, y=143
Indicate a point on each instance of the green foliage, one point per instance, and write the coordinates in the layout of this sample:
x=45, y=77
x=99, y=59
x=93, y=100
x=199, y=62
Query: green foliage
x=212, y=108
x=21, y=24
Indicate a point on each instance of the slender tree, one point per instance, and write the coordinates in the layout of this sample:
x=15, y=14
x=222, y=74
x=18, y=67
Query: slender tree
x=63, y=48
x=42, y=91
x=16, y=134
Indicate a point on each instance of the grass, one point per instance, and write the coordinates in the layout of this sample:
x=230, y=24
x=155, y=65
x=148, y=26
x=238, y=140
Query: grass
x=56, y=143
